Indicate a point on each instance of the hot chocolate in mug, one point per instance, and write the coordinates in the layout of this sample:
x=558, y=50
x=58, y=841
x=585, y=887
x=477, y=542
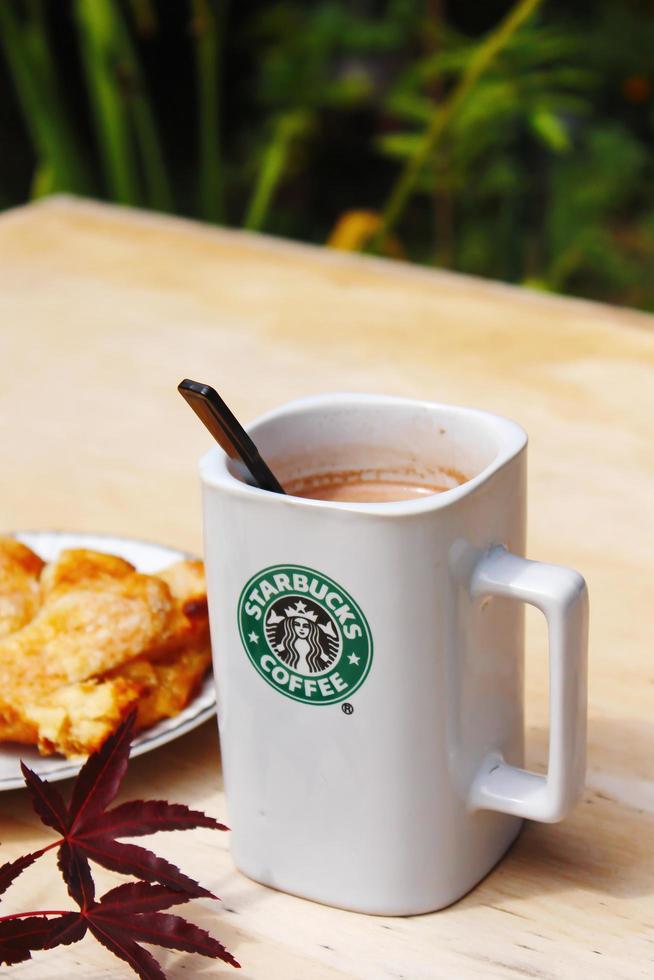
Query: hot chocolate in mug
x=369, y=656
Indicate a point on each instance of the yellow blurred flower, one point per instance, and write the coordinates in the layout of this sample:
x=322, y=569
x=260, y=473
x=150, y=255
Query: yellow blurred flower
x=355, y=229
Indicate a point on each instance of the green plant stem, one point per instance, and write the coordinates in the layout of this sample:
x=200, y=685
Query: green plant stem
x=158, y=191
x=96, y=24
x=145, y=17
x=61, y=163
x=273, y=164
x=124, y=119
x=443, y=204
x=208, y=26
x=443, y=114
x=564, y=265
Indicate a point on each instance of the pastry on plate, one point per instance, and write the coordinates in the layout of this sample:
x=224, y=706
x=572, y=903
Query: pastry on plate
x=19, y=584
x=87, y=638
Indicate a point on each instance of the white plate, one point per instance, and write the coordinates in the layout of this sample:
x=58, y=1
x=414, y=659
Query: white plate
x=146, y=557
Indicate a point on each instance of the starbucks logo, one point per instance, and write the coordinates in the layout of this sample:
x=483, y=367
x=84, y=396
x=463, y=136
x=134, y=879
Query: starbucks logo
x=304, y=634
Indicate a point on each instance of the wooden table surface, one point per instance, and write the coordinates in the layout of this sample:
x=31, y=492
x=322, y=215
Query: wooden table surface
x=103, y=310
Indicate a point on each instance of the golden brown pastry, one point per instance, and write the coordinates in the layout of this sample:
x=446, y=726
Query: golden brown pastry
x=104, y=639
x=189, y=622
x=79, y=565
x=83, y=631
x=19, y=585
x=76, y=719
x=96, y=571
x=167, y=685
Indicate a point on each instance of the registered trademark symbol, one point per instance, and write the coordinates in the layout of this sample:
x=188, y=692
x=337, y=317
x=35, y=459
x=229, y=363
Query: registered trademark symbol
x=347, y=708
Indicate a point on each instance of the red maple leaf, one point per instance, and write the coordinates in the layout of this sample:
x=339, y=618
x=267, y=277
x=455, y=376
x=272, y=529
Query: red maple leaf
x=129, y=913
x=21, y=934
x=88, y=831
x=124, y=916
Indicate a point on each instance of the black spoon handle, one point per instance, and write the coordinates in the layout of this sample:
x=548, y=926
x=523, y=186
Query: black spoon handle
x=228, y=431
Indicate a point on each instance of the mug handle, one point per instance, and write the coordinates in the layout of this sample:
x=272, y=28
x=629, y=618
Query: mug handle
x=561, y=594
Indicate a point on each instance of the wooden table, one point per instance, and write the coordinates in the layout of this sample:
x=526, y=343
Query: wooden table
x=103, y=310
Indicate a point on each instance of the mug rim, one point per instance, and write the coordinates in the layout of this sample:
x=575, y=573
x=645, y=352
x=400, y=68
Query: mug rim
x=215, y=472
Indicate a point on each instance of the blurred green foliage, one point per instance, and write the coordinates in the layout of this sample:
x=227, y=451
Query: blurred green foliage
x=506, y=140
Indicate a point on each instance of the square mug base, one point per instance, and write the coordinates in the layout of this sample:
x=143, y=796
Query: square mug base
x=390, y=906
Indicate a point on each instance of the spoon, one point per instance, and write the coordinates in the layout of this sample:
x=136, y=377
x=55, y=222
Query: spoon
x=228, y=432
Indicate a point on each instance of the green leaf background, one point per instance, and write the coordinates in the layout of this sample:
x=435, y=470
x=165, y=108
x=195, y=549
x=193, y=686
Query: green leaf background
x=508, y=141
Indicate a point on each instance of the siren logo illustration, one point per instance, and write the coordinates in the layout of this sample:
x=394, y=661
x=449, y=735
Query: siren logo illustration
x=304, y=634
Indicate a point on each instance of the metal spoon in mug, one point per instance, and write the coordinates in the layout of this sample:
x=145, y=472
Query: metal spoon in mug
x=228, y=432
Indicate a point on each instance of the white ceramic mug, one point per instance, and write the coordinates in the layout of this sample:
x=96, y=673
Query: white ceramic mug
x=369, y=658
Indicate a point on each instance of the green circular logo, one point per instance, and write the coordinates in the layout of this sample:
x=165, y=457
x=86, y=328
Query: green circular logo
x=305, y=635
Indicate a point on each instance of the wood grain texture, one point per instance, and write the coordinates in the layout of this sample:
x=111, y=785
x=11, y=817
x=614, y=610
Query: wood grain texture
x=102, y=312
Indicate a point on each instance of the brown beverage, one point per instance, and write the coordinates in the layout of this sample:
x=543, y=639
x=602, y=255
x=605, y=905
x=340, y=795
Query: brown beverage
x=372, y=486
